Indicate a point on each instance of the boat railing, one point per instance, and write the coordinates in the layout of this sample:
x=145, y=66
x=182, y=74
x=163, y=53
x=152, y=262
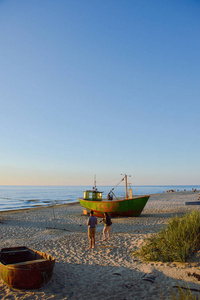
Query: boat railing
x=114, y=199
x=124, y=198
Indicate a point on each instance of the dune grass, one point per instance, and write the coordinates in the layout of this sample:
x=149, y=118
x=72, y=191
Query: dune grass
x=179, y=241
x=183, y=294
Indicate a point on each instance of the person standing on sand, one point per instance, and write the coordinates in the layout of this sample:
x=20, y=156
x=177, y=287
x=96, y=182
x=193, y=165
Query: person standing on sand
x=107, y=225
x=91, y=223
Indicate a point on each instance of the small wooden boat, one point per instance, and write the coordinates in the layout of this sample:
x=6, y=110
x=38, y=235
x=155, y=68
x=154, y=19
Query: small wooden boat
x=128, y=206
x=24, y=268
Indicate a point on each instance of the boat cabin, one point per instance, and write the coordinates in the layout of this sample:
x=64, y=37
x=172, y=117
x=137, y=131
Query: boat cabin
x=92, y=195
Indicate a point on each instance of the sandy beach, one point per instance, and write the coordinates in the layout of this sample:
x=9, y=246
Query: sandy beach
x=110, y=271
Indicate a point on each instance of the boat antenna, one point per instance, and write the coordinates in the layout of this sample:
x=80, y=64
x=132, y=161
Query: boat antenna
x=125, y=177
x=95, y=183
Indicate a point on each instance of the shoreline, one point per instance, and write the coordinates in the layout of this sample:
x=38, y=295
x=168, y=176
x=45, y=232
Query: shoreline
x=24, y=197
x=116, y=273
x=36, y=207
x=75, y=202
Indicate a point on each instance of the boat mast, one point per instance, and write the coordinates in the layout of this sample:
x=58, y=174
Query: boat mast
x=126, y=186
x=95, y=183
x=125, y=177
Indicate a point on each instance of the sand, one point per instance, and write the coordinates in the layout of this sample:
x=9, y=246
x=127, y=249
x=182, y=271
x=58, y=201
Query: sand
x=110, y=271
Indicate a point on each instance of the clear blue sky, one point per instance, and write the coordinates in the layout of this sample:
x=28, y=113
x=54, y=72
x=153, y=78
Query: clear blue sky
x=99, y=87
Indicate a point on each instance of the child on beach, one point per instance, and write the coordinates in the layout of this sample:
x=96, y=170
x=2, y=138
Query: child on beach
x=91, y=223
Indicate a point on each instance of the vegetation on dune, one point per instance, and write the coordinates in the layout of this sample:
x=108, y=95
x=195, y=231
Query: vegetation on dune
x=183, y=294
x=179, y=241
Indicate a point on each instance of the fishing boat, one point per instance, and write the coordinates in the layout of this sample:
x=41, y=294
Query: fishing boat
x=24, y=268
x=127, y=206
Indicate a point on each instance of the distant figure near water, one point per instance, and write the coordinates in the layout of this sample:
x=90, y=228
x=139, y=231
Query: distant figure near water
x=91, y=223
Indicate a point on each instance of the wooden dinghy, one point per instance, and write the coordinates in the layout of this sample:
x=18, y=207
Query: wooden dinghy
x=24, y=268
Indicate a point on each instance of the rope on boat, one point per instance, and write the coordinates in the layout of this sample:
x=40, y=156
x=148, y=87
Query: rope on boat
x=111, y=191
x=116, y=185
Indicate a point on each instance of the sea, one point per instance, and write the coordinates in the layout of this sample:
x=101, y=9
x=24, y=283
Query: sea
x=22, y=197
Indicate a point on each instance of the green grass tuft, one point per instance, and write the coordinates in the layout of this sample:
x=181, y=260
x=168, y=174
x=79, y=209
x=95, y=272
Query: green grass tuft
x=183, y=294
x=177, y=242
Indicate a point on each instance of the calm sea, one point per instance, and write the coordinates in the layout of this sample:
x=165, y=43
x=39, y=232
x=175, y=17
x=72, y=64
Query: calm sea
x=19, y=197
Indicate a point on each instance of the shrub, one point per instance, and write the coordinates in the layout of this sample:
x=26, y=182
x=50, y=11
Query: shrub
x=177, y=242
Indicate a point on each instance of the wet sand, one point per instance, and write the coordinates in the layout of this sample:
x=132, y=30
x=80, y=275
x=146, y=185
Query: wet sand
x=110, y=271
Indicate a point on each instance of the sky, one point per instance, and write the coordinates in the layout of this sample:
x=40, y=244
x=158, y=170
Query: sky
x=99, y=87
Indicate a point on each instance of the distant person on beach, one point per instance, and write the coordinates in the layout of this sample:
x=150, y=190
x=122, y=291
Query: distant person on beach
x=91, y=223
x=107, y=225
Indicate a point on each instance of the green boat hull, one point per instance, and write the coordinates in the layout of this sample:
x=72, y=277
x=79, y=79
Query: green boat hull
x=126, y=207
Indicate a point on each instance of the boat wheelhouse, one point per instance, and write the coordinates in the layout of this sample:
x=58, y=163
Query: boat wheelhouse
x=92, y=195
